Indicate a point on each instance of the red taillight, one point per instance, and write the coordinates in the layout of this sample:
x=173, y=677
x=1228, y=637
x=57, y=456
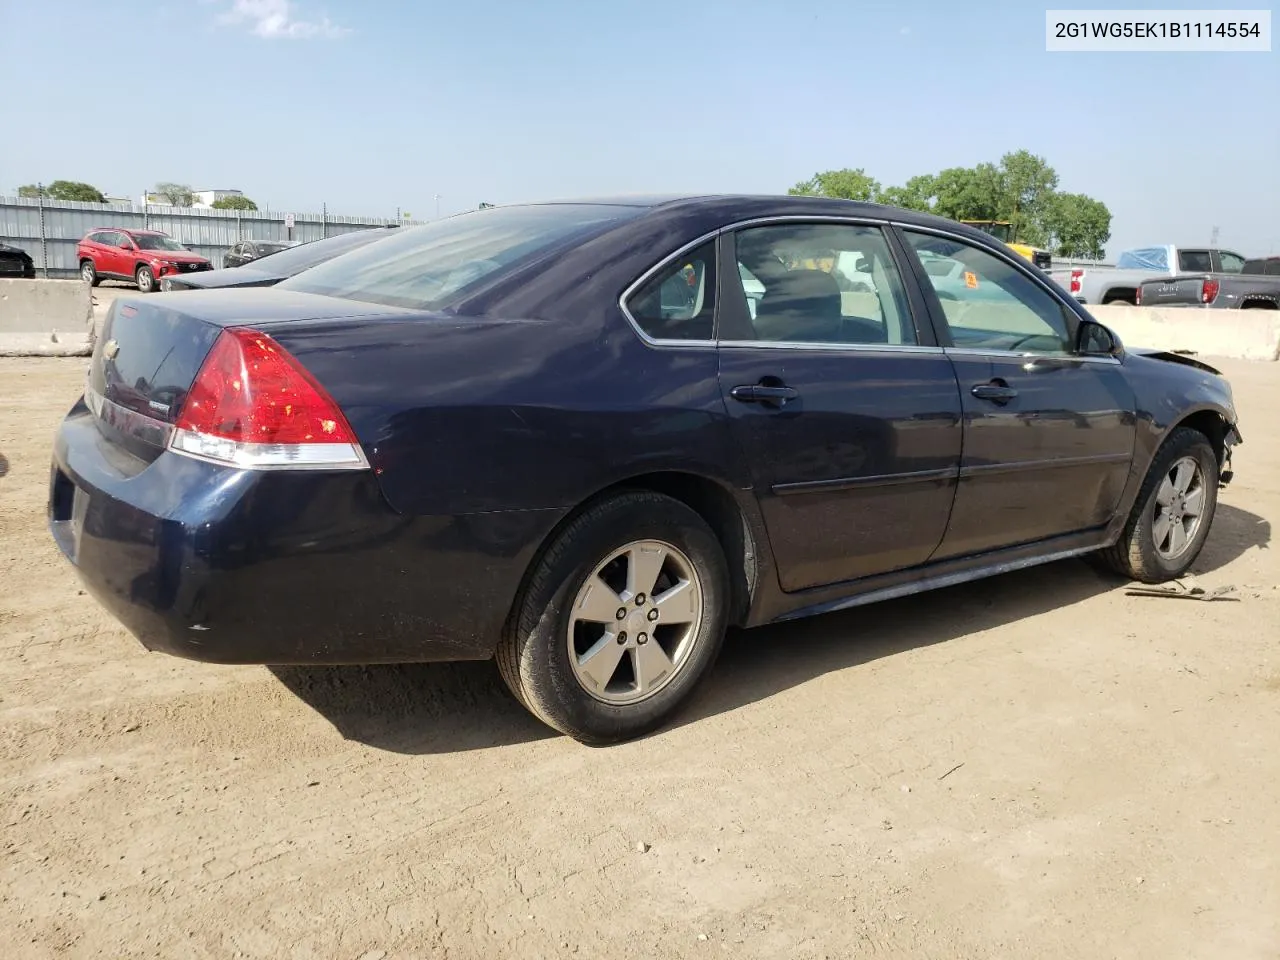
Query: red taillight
x=1075, y=280
x=1137, y=296
x=253, y=405
x=1208, y=290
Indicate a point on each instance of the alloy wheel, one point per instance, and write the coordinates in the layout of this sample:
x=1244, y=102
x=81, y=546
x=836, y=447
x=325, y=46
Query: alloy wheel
x=634, y=622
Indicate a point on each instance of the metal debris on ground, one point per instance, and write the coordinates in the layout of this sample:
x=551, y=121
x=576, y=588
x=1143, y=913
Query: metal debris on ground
x=1186, y=589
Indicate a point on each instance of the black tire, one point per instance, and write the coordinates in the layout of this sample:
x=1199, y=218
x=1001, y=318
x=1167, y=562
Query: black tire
x=89, y=273
x=1120, y=302
x=533, y=655
x=147, y=285
x=1134, y=554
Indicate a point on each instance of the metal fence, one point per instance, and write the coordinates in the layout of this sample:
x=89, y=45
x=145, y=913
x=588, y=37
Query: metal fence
x=50, y=229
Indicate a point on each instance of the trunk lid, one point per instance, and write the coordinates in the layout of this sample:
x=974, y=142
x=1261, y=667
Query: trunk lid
x=151, y=350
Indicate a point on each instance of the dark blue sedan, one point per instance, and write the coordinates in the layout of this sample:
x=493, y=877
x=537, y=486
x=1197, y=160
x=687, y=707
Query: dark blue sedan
x=586, y=438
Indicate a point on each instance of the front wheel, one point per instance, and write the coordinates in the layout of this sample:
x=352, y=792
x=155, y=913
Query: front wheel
x=622, y=617
x=1173, y=512
x=145, y=279
x=89, y=273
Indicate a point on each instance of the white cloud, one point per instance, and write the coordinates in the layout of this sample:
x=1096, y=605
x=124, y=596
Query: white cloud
x=274, y=19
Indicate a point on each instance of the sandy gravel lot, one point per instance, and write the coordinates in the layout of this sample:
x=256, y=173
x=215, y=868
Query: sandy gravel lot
x=1032, y=766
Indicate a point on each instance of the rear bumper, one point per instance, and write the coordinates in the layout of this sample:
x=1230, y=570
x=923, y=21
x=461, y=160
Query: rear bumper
x=280, y=567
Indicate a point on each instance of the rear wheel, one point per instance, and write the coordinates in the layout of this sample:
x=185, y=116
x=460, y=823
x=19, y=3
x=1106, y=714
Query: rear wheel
x=145, y=279
x=1173, y=512
x=89, y=273
x=622, y=617
x=1120, y=302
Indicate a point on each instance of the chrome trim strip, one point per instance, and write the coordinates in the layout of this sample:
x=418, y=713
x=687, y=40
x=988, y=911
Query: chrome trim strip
x=1025, y=357
x=860, y=483
x=127, y=421
x=899, y=348
x=1026, y=466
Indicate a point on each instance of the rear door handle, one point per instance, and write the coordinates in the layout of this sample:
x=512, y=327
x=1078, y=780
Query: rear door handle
x=760, y=393
x=994, y=391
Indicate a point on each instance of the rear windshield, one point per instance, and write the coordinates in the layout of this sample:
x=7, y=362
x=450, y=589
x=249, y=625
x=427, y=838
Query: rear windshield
x=426, y=267
x=293, y=260
x=1195, y=261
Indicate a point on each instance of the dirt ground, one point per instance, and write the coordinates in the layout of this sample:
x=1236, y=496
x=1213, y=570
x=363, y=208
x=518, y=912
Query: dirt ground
x=1031, y=766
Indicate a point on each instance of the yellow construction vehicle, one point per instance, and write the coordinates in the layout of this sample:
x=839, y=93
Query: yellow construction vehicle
x=1002, y=230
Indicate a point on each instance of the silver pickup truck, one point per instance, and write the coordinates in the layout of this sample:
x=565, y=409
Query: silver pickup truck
x=1101, y=283
x=1256, y=286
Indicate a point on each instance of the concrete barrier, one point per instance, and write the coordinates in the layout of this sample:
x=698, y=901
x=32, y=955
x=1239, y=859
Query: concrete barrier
x=1239, y=334
x=46, y=318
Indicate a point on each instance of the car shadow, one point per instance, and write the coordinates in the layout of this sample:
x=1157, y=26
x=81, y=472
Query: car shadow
x=4, y=465
x=416, y=708
x=455, y=707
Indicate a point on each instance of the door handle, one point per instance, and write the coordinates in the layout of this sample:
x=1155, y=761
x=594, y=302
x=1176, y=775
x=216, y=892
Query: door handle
x=764, y=393
x=996, y=391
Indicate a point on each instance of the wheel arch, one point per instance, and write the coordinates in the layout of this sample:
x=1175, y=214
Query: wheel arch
x=711, y=499
x=1211, y=421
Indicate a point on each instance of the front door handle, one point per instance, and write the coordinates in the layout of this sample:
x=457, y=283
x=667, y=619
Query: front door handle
x=764, y=393
x=997, y=391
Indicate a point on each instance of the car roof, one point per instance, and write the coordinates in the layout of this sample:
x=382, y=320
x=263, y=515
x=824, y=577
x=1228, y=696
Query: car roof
x=746, y=205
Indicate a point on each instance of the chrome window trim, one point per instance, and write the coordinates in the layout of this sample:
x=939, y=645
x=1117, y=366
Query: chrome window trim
x=899, y=348
x=715, y=235
x=1018, y=355
x=882, y=224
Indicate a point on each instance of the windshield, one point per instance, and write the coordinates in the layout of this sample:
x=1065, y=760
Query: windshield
x=152, y=241
x=293, y=260
x=426, y=267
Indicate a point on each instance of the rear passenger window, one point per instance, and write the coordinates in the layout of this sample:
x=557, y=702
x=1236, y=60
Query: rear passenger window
x=821, y=283
x=679, y=301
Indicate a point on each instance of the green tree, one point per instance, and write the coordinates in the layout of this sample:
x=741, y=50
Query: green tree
x=234, y=203
x=175, y=194
x=969, y=193
x=65, y=190
x=75, y=190
x=916, y=194
x=842, y=184
x=1027, y=189
x=1077, y=225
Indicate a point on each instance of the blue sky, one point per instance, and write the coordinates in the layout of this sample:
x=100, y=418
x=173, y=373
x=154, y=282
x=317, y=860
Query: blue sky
x=382, y=104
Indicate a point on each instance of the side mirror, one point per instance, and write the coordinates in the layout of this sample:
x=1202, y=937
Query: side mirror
x=1095, y=340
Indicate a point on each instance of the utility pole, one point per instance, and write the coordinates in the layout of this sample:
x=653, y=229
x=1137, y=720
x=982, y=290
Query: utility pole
x=1213, y=239
x=437, y=206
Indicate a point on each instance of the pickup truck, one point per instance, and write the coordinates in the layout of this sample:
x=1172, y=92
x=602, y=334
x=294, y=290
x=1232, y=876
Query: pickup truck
x=1256, y=286
x=1119, y=284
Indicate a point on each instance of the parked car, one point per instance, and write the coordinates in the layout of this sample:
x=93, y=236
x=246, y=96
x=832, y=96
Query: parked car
x=274, y=267
x=247, y=251
x=16, y=263
x=1256, y=286
x=1104, y=284
x=142, y=257
x=553, y=434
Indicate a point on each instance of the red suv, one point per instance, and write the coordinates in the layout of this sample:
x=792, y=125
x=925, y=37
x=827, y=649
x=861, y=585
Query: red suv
x=137, y=256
